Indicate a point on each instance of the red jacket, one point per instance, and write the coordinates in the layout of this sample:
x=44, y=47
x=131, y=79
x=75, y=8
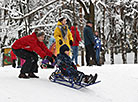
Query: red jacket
x=13, y=56
x=31, y=43
x=76, y=38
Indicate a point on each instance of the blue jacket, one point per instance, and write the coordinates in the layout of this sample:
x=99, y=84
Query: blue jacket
x=97, y=42
x=88, y=35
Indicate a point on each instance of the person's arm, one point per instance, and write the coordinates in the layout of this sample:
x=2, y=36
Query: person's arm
x=70, y=35
x=57, y=34
x=45, y=49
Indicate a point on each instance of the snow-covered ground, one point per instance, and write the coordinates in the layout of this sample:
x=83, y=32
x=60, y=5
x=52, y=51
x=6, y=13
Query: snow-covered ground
x=119, y=83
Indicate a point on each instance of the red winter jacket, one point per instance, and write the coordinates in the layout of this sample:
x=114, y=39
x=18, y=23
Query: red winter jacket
x=76, y=38
x=31, y=43
x=13, y=56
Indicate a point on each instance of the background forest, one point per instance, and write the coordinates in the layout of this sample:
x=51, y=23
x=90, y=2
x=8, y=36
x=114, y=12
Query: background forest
x=115, y=20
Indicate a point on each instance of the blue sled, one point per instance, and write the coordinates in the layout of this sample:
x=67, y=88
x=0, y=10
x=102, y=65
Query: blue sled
x=73, y=85
x=69, y=82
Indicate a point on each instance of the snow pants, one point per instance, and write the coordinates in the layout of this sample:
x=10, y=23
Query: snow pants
x=31, y=58
x=73, y=73
x=75, y=53
x=90, y=52
x=98, y=55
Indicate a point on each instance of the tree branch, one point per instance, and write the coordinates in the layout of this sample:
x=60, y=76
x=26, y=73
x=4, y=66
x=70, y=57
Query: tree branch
x=83, y=6
x=34, y=11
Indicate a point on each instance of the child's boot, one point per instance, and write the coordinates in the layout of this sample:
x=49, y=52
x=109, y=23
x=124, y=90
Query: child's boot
x=93, y=79
x=88, y=78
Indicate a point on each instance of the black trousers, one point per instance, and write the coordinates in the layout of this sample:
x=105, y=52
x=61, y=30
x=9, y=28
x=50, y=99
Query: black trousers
x=90, y=52
x=31, y=58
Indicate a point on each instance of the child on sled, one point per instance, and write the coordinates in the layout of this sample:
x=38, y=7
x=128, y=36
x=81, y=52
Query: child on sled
x=69, y=69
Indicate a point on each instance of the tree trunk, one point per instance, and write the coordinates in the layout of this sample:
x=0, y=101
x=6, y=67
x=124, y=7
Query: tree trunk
x=82, y=49
x=102, y=36
x=135, y=49
x=124, y=52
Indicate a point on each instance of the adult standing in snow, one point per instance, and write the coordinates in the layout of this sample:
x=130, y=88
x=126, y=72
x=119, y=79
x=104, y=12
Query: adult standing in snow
x=62, y=34
x=89, y=43
x=97, y=47
x=76, y=39
x=26, y=48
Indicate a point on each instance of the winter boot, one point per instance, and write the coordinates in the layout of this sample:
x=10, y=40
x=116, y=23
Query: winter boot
x=93, y=79
x=32, y=75
x=80, y=77
x=87, y=78
x=77, y=65
x=23, y=75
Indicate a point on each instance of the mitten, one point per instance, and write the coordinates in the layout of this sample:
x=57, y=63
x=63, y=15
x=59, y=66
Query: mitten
x=49, y=58
x=60, y=42
x=54, y=56
x=71, y=42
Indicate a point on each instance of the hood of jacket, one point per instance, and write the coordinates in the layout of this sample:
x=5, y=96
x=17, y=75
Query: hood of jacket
x=72, y=28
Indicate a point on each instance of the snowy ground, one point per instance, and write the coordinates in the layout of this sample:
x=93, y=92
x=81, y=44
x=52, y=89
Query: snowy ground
x=119, y=83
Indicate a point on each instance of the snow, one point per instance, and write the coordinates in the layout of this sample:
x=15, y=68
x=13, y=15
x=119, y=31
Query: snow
x=118, y=84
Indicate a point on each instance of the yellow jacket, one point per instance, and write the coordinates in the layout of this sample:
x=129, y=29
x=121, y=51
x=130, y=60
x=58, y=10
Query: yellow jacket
x=58, y=36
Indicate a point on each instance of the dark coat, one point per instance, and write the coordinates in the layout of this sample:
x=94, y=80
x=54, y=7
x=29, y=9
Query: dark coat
x=66, y=65
x=88, y=36
x=31, y=43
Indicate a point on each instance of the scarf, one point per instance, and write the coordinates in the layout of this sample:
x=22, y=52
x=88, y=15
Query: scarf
x=63, y=29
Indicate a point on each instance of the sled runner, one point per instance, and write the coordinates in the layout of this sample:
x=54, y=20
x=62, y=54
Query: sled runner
x=57, y=77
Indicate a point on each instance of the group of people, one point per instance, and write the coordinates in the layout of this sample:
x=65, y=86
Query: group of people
x=29, y=47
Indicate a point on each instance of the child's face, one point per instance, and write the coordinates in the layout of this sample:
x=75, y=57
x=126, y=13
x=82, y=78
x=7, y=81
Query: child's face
x=96, y=33
x=67, y=52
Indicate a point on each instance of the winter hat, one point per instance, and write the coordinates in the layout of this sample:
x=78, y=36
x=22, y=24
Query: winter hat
x=61, y=19
x=64, y=48
x=39, y=33
x=89, y=21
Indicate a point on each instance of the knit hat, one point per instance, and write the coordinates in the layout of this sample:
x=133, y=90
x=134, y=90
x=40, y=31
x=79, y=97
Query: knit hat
x=64, y=48
x=39, y=33
x=89, y=21
x=61, y=19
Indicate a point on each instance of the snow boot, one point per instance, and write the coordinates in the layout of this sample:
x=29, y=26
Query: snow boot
x=93, y=79
x=87, y=78
x=23, y=75
x=79, y=78
x=32, y=75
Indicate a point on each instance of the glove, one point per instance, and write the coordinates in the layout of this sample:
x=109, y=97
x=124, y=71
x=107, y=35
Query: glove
x=54, y=56
x=49, y=58
x=70, y=42
x=60, y=42
x=14, y=64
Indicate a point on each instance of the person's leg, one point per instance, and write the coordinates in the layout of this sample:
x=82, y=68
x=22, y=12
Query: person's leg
x=30, y=60
x=76, y=55
x=93, y=54
x=97, y=55
x=34, y=68
x=73, y=48
x=87, y=55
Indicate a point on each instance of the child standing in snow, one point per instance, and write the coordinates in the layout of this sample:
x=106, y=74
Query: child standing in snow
x=68, y=68
x=97, y=47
